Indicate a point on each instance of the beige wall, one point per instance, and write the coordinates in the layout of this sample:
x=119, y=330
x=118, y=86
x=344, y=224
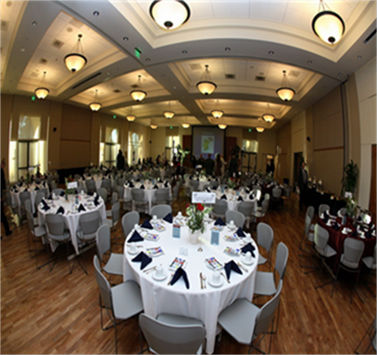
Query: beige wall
x=298, y=140
x=284, y=139
x=366, y=92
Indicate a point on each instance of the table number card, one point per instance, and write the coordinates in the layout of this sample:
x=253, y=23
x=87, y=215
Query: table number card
x=215, y=237
x=176, y=231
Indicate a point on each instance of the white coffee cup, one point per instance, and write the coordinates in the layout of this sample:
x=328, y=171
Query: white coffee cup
x=179, y=214
x=132, y=248
x=248, y=257
x=216, y=277
x=154, y=217
x=159, y=270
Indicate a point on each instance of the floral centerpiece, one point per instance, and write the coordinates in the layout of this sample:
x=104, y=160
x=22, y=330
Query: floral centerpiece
x=351, y=207
x=196, y=215
x=232, y=183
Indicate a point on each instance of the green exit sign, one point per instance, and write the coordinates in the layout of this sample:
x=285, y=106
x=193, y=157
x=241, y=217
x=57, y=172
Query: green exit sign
x=137, y=52
x=250, y=130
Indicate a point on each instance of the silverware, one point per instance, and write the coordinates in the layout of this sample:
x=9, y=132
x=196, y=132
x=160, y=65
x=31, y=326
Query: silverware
x=150, y=269
x=204, y=278
x=242, y=267
x=171, y=278
x=201, y=281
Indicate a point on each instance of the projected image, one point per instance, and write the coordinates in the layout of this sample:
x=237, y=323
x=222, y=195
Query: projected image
x=208, y=144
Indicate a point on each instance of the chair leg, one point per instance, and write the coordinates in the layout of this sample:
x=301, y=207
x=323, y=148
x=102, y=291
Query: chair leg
x=115, y=338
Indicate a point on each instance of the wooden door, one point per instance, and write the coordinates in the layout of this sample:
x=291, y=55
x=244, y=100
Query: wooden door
x=187, y=142
x=372, y=196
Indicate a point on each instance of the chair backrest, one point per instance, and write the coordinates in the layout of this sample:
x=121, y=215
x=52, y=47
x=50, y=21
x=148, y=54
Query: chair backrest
x=90, y=222
x=220, y=206
x=137, y=194
x=120, y=190
x=321, y=237
x=342, y=212
x=55, y=224
x=266, y=196
x=308, y=222
x=114, y=197
x=115, y=212
x=276, y=192
x=353, y=250
x=194, y=184
x=38, y=197
x=103, y=193
x=106, y=183
x=282, y=253
x=30, y=221
x=267, y=312
x=265, y=235
x=27, y=204
x=162, y=194
x=257, y=193
x=103, y=284
x=58, y=191
x=310, y=212
x=103, y=240
x=129, y=220
x=246, y=208
x=265, y=205
x=165, y=338
x=237, y=217
x=322, y=208
x=160, y=210
x=90, y=185
x=176, y=190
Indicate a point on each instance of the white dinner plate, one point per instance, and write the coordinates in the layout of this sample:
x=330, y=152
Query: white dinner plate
x=214, y=284
x=129, y=251
x=161, y=277
x=246, y=261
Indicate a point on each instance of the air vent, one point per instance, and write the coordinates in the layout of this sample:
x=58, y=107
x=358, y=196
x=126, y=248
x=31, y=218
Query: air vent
x=57, y=44
x=43, y=60
x=116, y=91
x=230, y=76
x=260, y=78
x=370, y=36
x=86, y=80
x=195, y=67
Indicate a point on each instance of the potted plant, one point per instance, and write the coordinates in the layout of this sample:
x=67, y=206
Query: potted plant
x=350, y=175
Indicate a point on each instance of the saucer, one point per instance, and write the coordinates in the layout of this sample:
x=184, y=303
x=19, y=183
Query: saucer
x=213, y=284
x=161, y=277
x=246, y=261
x=132, y=252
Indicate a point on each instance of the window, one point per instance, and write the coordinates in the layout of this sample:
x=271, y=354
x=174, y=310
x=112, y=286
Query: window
x=135, y=147
x=172, y=142
x=108, y=150
x=250, y=146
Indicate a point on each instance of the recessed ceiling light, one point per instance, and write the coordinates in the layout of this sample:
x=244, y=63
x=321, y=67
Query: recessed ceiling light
x=95, y=13
x=147, y=59
x=184, y=51
x=359, y=57
x=271, y=52
x=34, y=23
x=309, y=61
x=125, y=38
x=227, y=49
x=22, y=49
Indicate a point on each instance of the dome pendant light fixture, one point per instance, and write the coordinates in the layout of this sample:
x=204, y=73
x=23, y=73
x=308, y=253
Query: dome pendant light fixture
x=185, y=125
x=95, y=106
x=154, y=126
x=206, y=86
x=75, y=61
x=169, y=114
x=138, y=95
x=169, y=14
x=217, y=113
x=260, y=129
x=41, y=92
x=284, y=92
x=268, y=117
x=328, y=25
x=222, y=126
x=130, y=117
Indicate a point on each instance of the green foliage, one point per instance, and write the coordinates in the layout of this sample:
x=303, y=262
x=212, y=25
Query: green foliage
x=196, y=215
x=350, y=176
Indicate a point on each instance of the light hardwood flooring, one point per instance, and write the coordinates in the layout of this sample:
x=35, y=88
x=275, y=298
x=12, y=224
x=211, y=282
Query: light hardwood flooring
x=57, y=312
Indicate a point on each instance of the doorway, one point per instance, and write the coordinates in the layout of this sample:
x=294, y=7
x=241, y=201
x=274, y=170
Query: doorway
x=27, y=158
x=298, y=159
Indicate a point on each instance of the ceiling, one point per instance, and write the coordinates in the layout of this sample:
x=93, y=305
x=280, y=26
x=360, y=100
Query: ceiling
x=245, y=43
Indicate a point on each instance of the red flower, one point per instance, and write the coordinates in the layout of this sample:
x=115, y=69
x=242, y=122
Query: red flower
x=199, y=207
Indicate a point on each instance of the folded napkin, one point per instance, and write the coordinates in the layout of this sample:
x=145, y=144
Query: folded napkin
x=190, y=177
x=96, y=200
x=130, y=184
x=368, y=234
x=166, y=184
x=248, y=247
x=143, y=258
x=20, y=184
x=146, y=224
x=240, y=198
x=142, y=186
x=168, y=218
x=247, y=190
x=137, y=180
x=240, y=232
x=251, y=197
x=60, y=210
x=155, y=187
x=177, y=275
x=231, y=266
x=36, y=188
x=62, y=193
x=225, y=187
x=219, y=222
x=81, y=208
x=49, y=197
x=16, y=191
x=223, y=197
x=208, y=189
x=45, y=207
x=135, y=237
x=336, y=226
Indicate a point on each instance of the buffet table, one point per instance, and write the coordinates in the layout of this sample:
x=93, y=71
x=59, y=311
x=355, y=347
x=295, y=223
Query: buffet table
x=205, y=298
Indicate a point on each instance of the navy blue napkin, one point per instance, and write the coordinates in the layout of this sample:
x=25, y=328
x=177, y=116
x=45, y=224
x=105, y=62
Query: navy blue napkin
x=240, y=232
x=336, y=226
x=143, y=258
x=81, y=208
x=208, y=189
x=20, y=184
x=60, y=210
x=247, y=190
x=251, y=197
x=130, y=184
x=137, y=180
x=219, y=222
x=248, y=247
x=240, y=198
x=135, y=237
x=231, y=266
x=15, y=190
x=36, y=188
x=166, y=184
x=190, y=177
x=225, y=187
x=142, y=187
x=177, y=275
x=49, y=197
x=146, y=224
x=155, y=187
x=168, y=218
x=223, y=197
x=96, y=200
x=45, y=207
x=62, y=193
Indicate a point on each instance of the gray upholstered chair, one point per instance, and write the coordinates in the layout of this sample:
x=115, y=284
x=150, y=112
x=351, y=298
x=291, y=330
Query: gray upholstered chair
x=139, y=202
x=115, y=215
x=265, y=237
x=247, y=208
x=88, y=226
x=237, y=217
x=128, y=222
x=322, y=208
x=161, y=196
x=219, y=208
x=160, y=210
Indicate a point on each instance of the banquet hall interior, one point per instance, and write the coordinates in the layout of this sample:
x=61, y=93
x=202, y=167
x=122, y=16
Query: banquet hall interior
x=188, y=176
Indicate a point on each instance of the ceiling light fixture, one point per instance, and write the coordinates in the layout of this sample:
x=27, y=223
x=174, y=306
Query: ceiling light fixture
x=95, y=106
x=222, y=126
x=328, y=25
x=185, y=125
x=268, y=117
x=285, y=92
x=169, y=14
x=75, y=61
x=169, y=113
x=154, y=126
x=138, y=95
x=217, y=113
x=206, y=86
x=260, y=129
x=130, y=117
x=41, y=92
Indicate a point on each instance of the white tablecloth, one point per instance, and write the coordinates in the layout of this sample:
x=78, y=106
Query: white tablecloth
x=232, y=198
x=15, y=196
x=72, y=219
x=204, y=304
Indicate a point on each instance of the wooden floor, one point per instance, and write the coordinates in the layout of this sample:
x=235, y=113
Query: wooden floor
x=54, y=312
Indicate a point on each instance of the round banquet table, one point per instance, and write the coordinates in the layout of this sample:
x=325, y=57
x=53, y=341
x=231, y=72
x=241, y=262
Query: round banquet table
x=232, y=198
x=33, y=189
x=204, y=304
x=71, y=215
